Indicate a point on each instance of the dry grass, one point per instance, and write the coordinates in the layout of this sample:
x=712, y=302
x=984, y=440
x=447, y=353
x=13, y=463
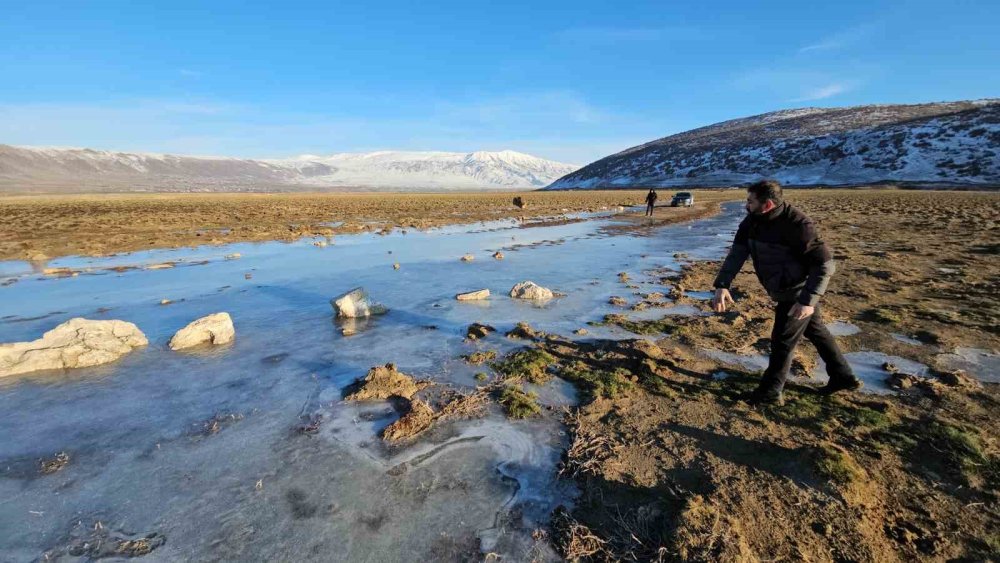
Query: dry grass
x=40, y=227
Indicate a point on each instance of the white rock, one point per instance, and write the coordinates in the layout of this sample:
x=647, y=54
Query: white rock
x=320, y=243
x=473, y=295
x=530, y=290
x=76, y=343
x=468, y=258
x=233, y=256
x=357, y=303
x=213, y=329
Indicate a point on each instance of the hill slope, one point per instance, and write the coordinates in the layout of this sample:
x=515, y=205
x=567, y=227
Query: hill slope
x=939, y=143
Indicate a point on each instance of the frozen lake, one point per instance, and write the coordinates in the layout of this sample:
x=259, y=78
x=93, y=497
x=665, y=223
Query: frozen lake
x=142, y=463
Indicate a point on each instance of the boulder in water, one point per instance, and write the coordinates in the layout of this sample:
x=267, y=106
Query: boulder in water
x=530, y=290
x=214, y=329
x=75, y=343
x=357, y=303
x=473, y=295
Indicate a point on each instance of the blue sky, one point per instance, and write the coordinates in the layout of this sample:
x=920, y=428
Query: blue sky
x=571, y=81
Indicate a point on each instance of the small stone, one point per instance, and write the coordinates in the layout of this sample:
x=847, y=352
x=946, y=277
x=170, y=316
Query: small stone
x=618, y=301
x=498, y=255
x=395, y=266
x=320, y=244
x=247, y=276
x=165, y=302
x=234, y=256
x=580, y=332
x=473, y=295
x=468, y=258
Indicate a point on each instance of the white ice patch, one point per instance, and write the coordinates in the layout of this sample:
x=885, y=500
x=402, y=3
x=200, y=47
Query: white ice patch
x=748, y=361
x=867, y=367
x=982, y=364
x=906, y=339
x=842, y=328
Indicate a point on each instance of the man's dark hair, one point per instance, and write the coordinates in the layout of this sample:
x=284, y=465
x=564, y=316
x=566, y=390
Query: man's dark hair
x=766, y=190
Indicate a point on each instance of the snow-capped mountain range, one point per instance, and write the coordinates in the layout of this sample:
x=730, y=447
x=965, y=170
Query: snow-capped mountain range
x=63, y=170
x=937, y=144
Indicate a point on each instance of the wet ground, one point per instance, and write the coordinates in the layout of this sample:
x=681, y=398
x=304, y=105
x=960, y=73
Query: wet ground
x=201, y=448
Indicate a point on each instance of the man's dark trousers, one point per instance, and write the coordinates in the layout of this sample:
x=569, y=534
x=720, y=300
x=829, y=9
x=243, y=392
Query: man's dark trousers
x=786, y=335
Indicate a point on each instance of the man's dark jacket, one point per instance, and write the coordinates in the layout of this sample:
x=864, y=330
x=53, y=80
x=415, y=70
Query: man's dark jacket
x=791, y=261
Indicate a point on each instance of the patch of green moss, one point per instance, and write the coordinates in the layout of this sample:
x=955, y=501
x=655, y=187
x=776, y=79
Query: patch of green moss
x=662, y=326
x=481, y=376
x=596, y=382
x=837, y=465
x=962, y=446
x=530, y=365
x=479, y=358
x=518, y=404
x=883, y=315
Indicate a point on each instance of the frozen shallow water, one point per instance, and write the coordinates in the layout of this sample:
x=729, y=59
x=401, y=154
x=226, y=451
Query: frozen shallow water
x=141, y=461
x=982, y=364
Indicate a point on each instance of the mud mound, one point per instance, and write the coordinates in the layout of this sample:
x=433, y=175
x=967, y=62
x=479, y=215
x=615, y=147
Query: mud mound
x=419, y=417
x=383, y=382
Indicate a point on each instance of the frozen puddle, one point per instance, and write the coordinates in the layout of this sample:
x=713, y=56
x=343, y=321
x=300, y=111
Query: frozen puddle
x=842, y=328
x=982, y=364
x=203, y=449
x=867, y=367
x=906, y=339
x=753, y=362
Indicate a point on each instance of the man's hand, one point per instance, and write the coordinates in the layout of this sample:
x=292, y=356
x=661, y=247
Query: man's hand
x=720, y=299
x=800, y=311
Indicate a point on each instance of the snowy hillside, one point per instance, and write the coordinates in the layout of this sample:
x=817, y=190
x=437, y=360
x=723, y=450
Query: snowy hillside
x=58, y=169
x=955, y=143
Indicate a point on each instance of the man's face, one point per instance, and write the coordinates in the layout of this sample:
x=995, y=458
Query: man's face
x=757, y=207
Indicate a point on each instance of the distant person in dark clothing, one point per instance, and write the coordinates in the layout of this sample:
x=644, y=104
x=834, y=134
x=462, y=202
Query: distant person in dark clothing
x=794, y=265
x=650, y=202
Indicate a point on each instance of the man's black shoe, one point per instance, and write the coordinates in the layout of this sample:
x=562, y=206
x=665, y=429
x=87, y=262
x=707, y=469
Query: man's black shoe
x=835, y=386
x=759, y=397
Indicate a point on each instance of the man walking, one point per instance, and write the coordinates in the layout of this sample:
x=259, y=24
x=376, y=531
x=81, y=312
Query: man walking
x=650, y=201
x=794, y=266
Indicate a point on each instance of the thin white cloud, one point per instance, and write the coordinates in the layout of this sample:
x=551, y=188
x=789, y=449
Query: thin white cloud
x=190, y=73
x=552, y=107
x=823, y=92
x=841, y=40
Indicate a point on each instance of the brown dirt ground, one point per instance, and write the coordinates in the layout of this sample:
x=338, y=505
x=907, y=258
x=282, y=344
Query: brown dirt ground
x=40, y=227
x=673, y=467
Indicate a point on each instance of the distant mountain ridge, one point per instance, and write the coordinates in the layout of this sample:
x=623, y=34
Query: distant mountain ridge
x=25, y=169
x=948, y=143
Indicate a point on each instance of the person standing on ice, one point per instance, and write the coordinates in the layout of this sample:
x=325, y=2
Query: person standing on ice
x=794, y=265
x=650, y=201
